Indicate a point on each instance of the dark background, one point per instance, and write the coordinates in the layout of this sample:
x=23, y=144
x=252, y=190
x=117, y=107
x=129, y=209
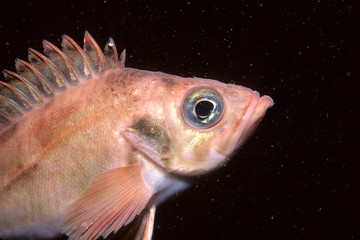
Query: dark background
x=295, y=178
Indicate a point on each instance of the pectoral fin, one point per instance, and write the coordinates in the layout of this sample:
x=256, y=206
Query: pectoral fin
x=147, y=225
x=109, y=203
x=139, y=229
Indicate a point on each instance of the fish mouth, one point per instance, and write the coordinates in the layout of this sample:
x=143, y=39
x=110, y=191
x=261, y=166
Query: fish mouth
x=247, y=123
x=253, y=116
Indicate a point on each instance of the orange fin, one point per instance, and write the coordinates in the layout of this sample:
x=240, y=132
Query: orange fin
x=139, y=229
x=95, y=55
x=47, y=68
x=109, y=203
x=77, y=56
x=147, y=225
x=13, y=93
x=61, y=61
x=111, y=54
x=32, y=75
x=122, y=59
x=28, y=91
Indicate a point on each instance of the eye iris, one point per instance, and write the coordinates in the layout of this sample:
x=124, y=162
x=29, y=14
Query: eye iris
x=203, y=109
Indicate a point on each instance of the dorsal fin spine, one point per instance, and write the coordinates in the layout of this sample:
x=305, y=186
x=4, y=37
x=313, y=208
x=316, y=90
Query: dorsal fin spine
x=17, y=92
x=111, y=54
x=90, y=43
x=58, y=75
x=72, y=71
x=8, y=118
x=12, y=104
x=46, y=85
x=87, y=68
x=34, y=91
x=122, y=59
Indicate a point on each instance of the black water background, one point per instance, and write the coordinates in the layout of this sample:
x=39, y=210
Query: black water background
x=296, y=177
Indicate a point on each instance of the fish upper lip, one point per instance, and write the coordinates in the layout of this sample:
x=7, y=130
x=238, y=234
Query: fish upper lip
x=254, y=112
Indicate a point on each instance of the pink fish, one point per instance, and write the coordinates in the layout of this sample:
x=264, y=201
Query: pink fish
x=87, y=145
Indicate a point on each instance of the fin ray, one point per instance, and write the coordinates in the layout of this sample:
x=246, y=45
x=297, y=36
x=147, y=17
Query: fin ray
x=77, y=56
x=49, y=70
x=28, y=89
x=10, y=108
x=61, y=61
x=122, y=59
x=11, y=92
x=147, y=225
x=111, y=54
x=141, y=228
x=31, y=74
x=110, y=202
x=94, y=53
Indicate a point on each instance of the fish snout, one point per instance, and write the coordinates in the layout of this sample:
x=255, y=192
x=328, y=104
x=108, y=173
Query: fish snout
x=247, y=121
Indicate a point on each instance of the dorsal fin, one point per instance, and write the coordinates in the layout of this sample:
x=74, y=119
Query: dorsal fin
x=111, y=54
x=30, y=93
x=31, y=74
x=94, y=53
x=46, y=74
x=47, y=68
x=12, y=92
x=77, y=56
x=122, y=59
x=61, y=61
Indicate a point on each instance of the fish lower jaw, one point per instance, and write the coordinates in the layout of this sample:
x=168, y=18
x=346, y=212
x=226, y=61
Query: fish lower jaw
x=212, y=161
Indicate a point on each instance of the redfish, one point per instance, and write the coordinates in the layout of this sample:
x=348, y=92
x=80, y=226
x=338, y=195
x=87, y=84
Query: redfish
x=88, y=146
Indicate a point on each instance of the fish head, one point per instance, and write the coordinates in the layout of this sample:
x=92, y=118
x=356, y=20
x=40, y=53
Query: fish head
x=208, y=121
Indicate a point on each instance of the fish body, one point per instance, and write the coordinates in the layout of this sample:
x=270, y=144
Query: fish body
x=86, y=144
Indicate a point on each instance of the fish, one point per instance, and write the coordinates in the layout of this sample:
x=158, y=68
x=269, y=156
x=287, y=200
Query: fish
x=89, y=146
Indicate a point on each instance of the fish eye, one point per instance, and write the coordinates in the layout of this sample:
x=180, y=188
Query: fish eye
x=203, y=107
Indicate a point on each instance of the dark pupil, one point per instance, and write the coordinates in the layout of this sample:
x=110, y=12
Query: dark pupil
x=203, y=109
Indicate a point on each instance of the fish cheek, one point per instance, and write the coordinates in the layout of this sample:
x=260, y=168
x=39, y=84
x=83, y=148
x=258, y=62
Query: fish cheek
x=201, y=147
x=156, y=136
